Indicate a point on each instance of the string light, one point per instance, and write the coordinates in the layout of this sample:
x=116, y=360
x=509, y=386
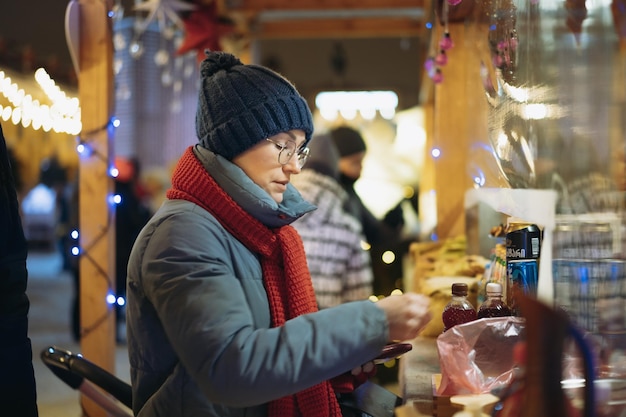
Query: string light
x=350, y=103
x=83, y=149
x=62, y=115
x=110, y=298
x=116, y=199
x=86, y=150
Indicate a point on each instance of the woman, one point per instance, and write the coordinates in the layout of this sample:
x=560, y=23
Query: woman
x=221, y=313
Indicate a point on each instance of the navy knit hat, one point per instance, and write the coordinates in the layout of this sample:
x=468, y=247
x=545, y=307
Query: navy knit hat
x=240, y=105
x=347, y=141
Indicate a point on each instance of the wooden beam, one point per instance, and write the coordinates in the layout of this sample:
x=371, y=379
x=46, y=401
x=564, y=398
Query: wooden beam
x=339, y=28
x=287, y=19
x=257, y=6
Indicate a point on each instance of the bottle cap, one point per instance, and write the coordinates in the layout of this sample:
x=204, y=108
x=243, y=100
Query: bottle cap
x=459, y=288
x=494, y=288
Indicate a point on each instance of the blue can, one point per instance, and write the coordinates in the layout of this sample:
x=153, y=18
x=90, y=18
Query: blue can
x=523, y=276
x=523, y=247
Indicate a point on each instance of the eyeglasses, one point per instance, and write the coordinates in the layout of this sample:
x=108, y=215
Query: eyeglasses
x=287, y=150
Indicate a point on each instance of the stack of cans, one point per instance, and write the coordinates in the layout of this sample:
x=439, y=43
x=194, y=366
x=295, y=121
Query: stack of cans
x=523, y=246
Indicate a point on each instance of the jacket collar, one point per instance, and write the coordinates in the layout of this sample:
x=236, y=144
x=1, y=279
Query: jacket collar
x=252, y=198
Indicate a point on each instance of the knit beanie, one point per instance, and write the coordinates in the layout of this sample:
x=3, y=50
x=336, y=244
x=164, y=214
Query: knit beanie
x=241, y=105
x=348, y=141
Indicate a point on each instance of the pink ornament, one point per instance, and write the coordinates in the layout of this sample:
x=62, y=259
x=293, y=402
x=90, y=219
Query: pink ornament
x=498, y=60
x=442, y=58
x=446, y=42
x=454, y=2
x=438, y=77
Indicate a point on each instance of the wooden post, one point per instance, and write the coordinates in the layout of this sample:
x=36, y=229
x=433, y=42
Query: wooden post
x=97, y=232
x=457, y=117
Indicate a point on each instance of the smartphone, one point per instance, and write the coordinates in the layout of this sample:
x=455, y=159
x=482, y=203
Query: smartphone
x=392, y=351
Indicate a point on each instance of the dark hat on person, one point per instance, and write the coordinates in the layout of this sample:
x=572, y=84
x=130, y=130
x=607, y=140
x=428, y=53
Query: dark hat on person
x=348, y=141
x=323, y=156
x=240, y=105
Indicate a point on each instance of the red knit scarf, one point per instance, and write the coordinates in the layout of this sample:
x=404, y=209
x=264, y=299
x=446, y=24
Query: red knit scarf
x=285, y=272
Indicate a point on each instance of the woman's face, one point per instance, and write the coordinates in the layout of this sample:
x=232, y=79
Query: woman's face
x=261, y=164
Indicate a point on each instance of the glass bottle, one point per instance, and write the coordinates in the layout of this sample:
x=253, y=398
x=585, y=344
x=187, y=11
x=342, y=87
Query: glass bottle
x=493, y=305
x=459, y=310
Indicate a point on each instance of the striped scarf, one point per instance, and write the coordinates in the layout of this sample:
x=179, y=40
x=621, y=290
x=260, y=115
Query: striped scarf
x=285, y=273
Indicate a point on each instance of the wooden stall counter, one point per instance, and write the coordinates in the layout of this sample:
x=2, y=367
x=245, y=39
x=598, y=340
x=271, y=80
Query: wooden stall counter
x=415, y=374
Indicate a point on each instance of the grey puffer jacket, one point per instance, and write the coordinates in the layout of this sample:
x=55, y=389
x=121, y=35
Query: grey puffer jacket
x=198, y=320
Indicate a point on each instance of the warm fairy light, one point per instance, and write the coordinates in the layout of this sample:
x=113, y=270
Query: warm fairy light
x=349, y=104
x=388, y=257
x=62, y=116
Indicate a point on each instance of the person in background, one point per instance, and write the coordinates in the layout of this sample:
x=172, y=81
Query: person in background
x=340, y=268
x=380, y=234
x=352, y=150
x=130, y=216
x=71, y=261
x=54, y=176
x=221, y=316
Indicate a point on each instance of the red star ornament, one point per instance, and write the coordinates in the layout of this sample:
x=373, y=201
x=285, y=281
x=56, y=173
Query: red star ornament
x=203, y=30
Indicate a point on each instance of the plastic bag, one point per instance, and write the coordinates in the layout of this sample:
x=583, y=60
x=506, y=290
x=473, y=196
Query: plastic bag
x=477, y=357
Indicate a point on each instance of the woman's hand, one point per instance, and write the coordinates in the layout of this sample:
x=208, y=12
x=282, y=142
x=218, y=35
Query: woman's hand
x=407, y=314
